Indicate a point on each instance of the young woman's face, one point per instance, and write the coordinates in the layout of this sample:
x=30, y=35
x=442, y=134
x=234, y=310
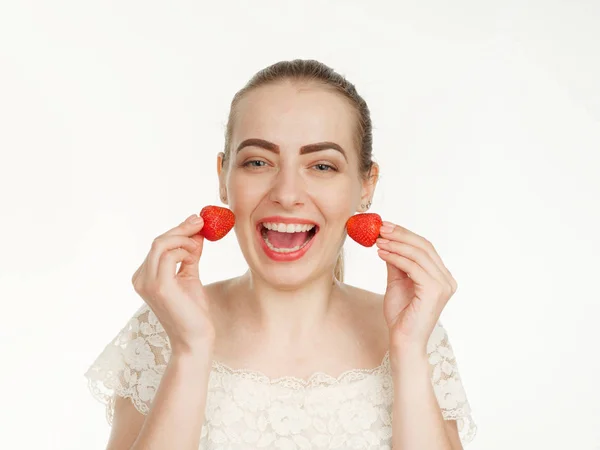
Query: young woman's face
x=292, y=180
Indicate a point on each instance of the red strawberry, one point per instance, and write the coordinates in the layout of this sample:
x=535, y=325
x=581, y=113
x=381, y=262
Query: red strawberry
x=364, y=228
x=218, y=222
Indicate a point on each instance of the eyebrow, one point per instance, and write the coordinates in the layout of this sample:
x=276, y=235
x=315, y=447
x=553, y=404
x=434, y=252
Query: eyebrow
x=304, y=150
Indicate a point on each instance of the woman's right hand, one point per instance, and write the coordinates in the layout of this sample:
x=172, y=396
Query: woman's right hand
x=177, y=297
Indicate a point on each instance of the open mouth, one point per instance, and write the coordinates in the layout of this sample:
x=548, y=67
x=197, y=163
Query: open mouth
x=287, y=237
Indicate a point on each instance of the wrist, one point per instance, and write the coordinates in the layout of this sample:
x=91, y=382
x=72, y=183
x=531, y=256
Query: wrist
x=197, y=355
x=409, y=358
x=402, y=346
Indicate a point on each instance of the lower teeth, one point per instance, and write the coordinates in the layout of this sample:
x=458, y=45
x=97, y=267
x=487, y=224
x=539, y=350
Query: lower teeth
x=284, y=250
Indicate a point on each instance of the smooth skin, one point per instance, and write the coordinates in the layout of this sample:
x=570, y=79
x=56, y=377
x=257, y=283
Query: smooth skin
x=291, y=318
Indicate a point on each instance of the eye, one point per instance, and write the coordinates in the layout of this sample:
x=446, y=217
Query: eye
x=254, y=164
x=325, y=168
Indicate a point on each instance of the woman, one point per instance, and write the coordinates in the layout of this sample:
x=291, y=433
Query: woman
x=319, y=363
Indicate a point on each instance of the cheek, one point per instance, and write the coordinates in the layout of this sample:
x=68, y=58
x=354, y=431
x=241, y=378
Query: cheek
x=243, y=192
x=337, y=200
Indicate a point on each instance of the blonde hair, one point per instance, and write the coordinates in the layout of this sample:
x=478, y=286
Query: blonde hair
x=314, y=71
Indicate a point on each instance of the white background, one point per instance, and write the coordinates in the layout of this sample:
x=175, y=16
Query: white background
x=487, y=129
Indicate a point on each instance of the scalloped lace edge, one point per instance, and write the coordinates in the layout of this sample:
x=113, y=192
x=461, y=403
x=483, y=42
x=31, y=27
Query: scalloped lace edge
x=317, y=379
x=467, y=429
x=108, y=399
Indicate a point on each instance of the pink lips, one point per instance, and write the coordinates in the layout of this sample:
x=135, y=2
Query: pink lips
x=283, y=257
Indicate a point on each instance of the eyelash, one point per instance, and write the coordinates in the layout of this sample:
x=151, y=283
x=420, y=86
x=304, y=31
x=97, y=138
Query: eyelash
x=249, y=165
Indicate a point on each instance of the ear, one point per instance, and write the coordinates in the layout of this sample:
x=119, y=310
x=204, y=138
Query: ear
x=368, y=188
x=221, y=171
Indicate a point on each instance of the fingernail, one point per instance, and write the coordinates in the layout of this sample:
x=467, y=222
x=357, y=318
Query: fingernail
x=383, y=252
x=386, y=228
x=382, y=241
x=193, y=219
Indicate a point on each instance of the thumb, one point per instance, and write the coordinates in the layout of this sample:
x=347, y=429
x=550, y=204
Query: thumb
x=190, y=266
x=394, y=274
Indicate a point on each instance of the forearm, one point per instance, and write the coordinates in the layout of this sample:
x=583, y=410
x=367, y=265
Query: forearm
x=417, y=419
x=177, y=414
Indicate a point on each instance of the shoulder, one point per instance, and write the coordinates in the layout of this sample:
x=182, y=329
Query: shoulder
x=365, y=310
x=221, y=290
x=361, y=300
x=220, y=294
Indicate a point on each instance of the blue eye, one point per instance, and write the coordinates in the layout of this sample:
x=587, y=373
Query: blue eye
x=324, y=167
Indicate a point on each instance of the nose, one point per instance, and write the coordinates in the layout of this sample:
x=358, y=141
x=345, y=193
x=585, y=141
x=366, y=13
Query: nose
x=288, y=189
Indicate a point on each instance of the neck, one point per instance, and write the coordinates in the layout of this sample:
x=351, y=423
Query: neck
x=283, y=316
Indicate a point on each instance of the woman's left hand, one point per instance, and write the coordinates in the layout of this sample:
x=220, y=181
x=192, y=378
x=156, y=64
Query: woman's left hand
x=418, y=287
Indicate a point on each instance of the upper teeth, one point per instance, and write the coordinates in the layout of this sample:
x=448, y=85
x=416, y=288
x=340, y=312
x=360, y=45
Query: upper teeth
x=287, y=227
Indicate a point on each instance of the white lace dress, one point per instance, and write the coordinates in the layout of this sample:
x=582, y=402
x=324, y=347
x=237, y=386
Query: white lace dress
x=248, y=410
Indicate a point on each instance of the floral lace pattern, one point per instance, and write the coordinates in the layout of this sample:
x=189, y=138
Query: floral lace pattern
x=246, y=409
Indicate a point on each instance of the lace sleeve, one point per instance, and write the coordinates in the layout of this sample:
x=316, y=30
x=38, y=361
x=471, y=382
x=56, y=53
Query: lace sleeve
x=447, y=384
x=132, y=364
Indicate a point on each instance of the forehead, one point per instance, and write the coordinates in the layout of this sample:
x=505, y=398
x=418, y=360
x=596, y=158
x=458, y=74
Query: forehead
x=292, y=115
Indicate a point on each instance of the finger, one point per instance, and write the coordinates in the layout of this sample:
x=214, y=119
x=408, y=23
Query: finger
x=395, y=274
x=168, y=263
x=419, y=275
x=187, y=227
x=190, y=227
x=410, y=267
x=190, y=267
x=164, y=244
x=418, y=255
x=399, y=233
